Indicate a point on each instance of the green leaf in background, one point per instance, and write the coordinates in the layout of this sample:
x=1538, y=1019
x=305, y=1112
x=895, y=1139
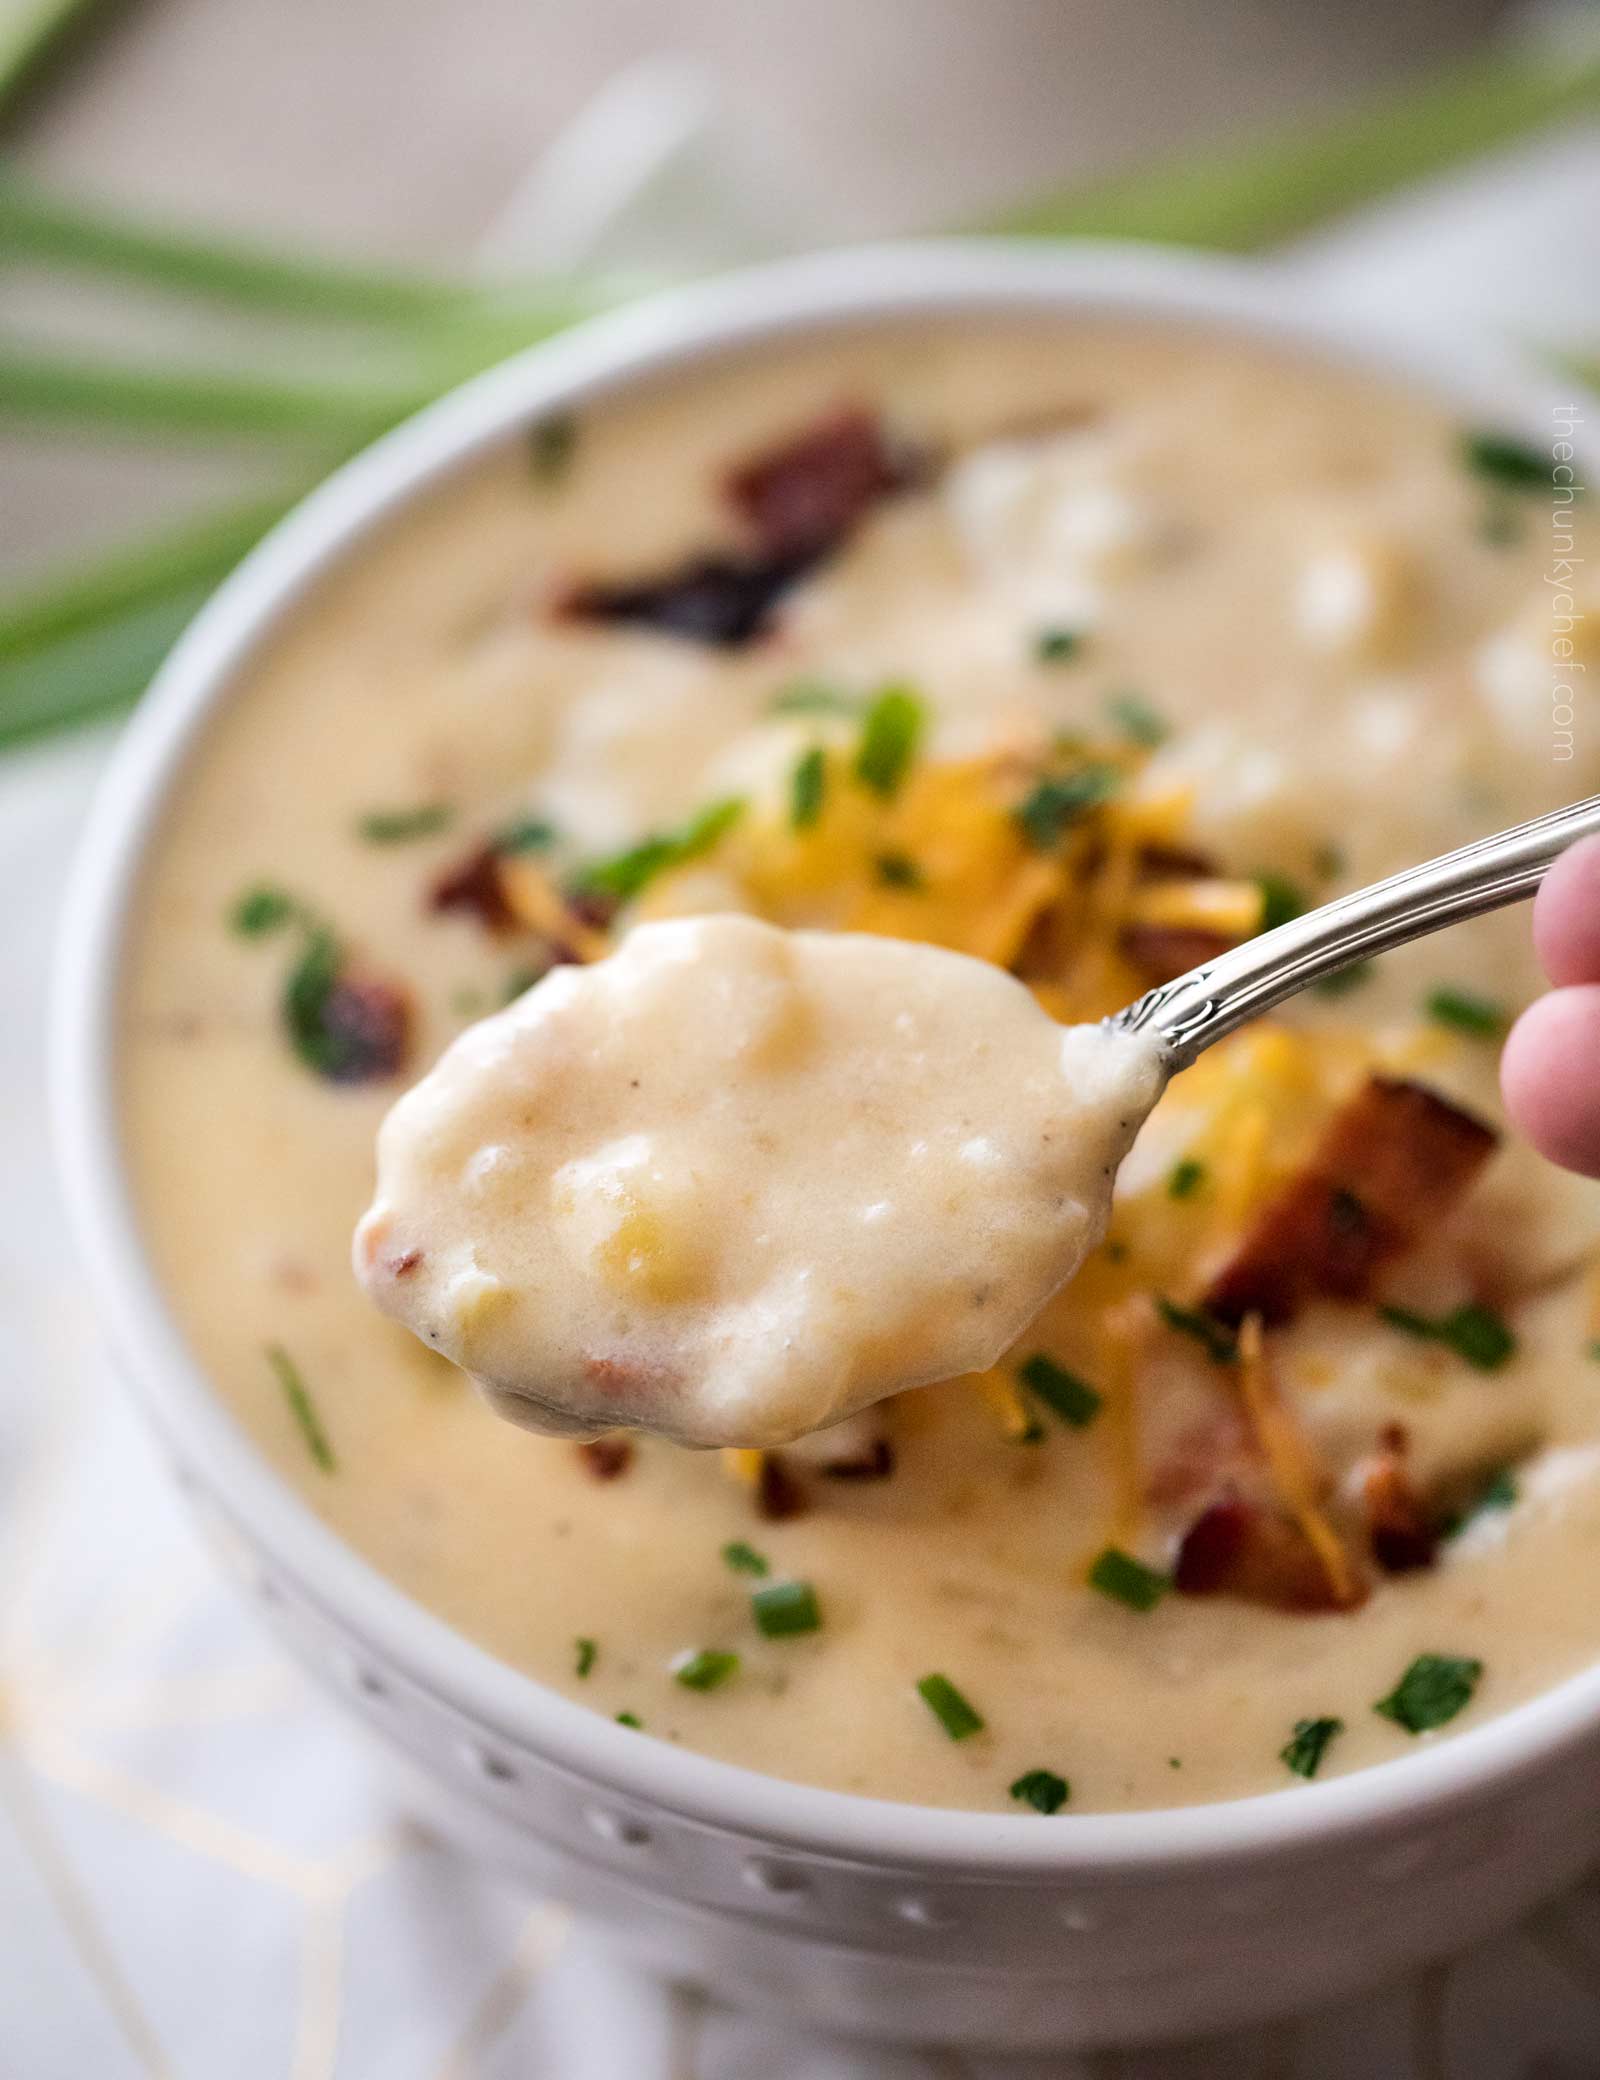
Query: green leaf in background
x=154, y=565
x=127, y=398
x=30, y=30
x=1238, y=198
x=57, y=231
x=98, y=668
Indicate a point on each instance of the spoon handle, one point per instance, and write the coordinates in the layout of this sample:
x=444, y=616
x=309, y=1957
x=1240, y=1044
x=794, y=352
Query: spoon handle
x=1190, y=1012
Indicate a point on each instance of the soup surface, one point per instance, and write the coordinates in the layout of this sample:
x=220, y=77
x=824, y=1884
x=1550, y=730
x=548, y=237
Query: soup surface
x=1083, y=649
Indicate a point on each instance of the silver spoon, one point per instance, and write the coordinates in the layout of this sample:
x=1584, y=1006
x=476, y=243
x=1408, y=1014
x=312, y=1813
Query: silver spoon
x=1187, y=1014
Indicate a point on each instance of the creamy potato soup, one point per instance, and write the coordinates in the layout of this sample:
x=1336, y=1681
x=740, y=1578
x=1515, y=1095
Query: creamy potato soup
x=611, y=1203
x=1078, y=649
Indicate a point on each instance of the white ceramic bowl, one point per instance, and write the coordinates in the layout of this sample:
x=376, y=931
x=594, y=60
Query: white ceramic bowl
x=881, y=1919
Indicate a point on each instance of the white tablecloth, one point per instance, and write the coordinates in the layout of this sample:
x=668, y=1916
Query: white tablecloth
x=198, y=1876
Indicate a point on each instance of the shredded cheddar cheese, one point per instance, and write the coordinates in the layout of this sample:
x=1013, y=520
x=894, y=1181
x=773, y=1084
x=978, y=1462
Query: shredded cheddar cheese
x=965, y=870
x=536, y=902
x=742, y=1464
x=1295, y=1474
x=1000, y=1391
x=1197, y=903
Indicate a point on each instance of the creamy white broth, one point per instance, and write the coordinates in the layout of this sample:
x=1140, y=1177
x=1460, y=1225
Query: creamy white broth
x=1291, y=569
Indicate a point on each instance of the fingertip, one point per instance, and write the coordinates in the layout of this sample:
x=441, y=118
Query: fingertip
x=1550, y=1075
x=1566, y=916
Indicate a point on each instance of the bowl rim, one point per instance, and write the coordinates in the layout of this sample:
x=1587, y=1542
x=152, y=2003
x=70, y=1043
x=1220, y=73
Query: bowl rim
x=938, y=281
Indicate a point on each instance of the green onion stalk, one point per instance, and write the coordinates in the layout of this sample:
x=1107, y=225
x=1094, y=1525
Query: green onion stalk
x=30, y=32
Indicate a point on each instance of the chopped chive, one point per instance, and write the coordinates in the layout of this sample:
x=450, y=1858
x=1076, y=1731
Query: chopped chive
x=1479, y=1335
x=400, y=826
x=1500, y=1490
x=706, y=1669
x=525, y=834
x=1594, y=1350
x=585, y=1652
x=1042, y=1789
x=1466, y=1012
x=302, y=1407
x=1432, y=1691
x=1137, y=720
x=468, y=1003
x=958, y=1718
x=889, y=737
x=306, y=994
x=898, y=870
x=1282, y=900
x=1309, y=1744
x=1185, y=1178
x=1343, y=980
x=1328, y=861
x=1125, y=1580
x=1060, y=801
x=785, y=1610
x=1174, y=1762
x=1067, y=1396
x=808, y=784
x=260, y=910
x=1474, y=1333
x=743, y=1559
x=552, y=443
x=1507, y=462
x=626, y=874
x=1408, y=1322
x=1056, y=645
x=631, y=1719
x=813, y=697
x=1215, y=1338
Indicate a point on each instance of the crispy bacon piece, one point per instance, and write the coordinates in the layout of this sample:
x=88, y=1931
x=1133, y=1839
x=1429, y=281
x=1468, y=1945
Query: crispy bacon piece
x=474, y=885
x=799, y=502
x=591, y=907
x=1403, y=1531
x=1246, y=1549
x=874, y=1463
x=857, y=1449
x=606, y=1458
x=778, y=1493
x=803, y=497
x=1162, y=951
x=1391, y=1164
x=1174, y=863
x=499, y=892
x=365, y=1028
x=723, y=600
